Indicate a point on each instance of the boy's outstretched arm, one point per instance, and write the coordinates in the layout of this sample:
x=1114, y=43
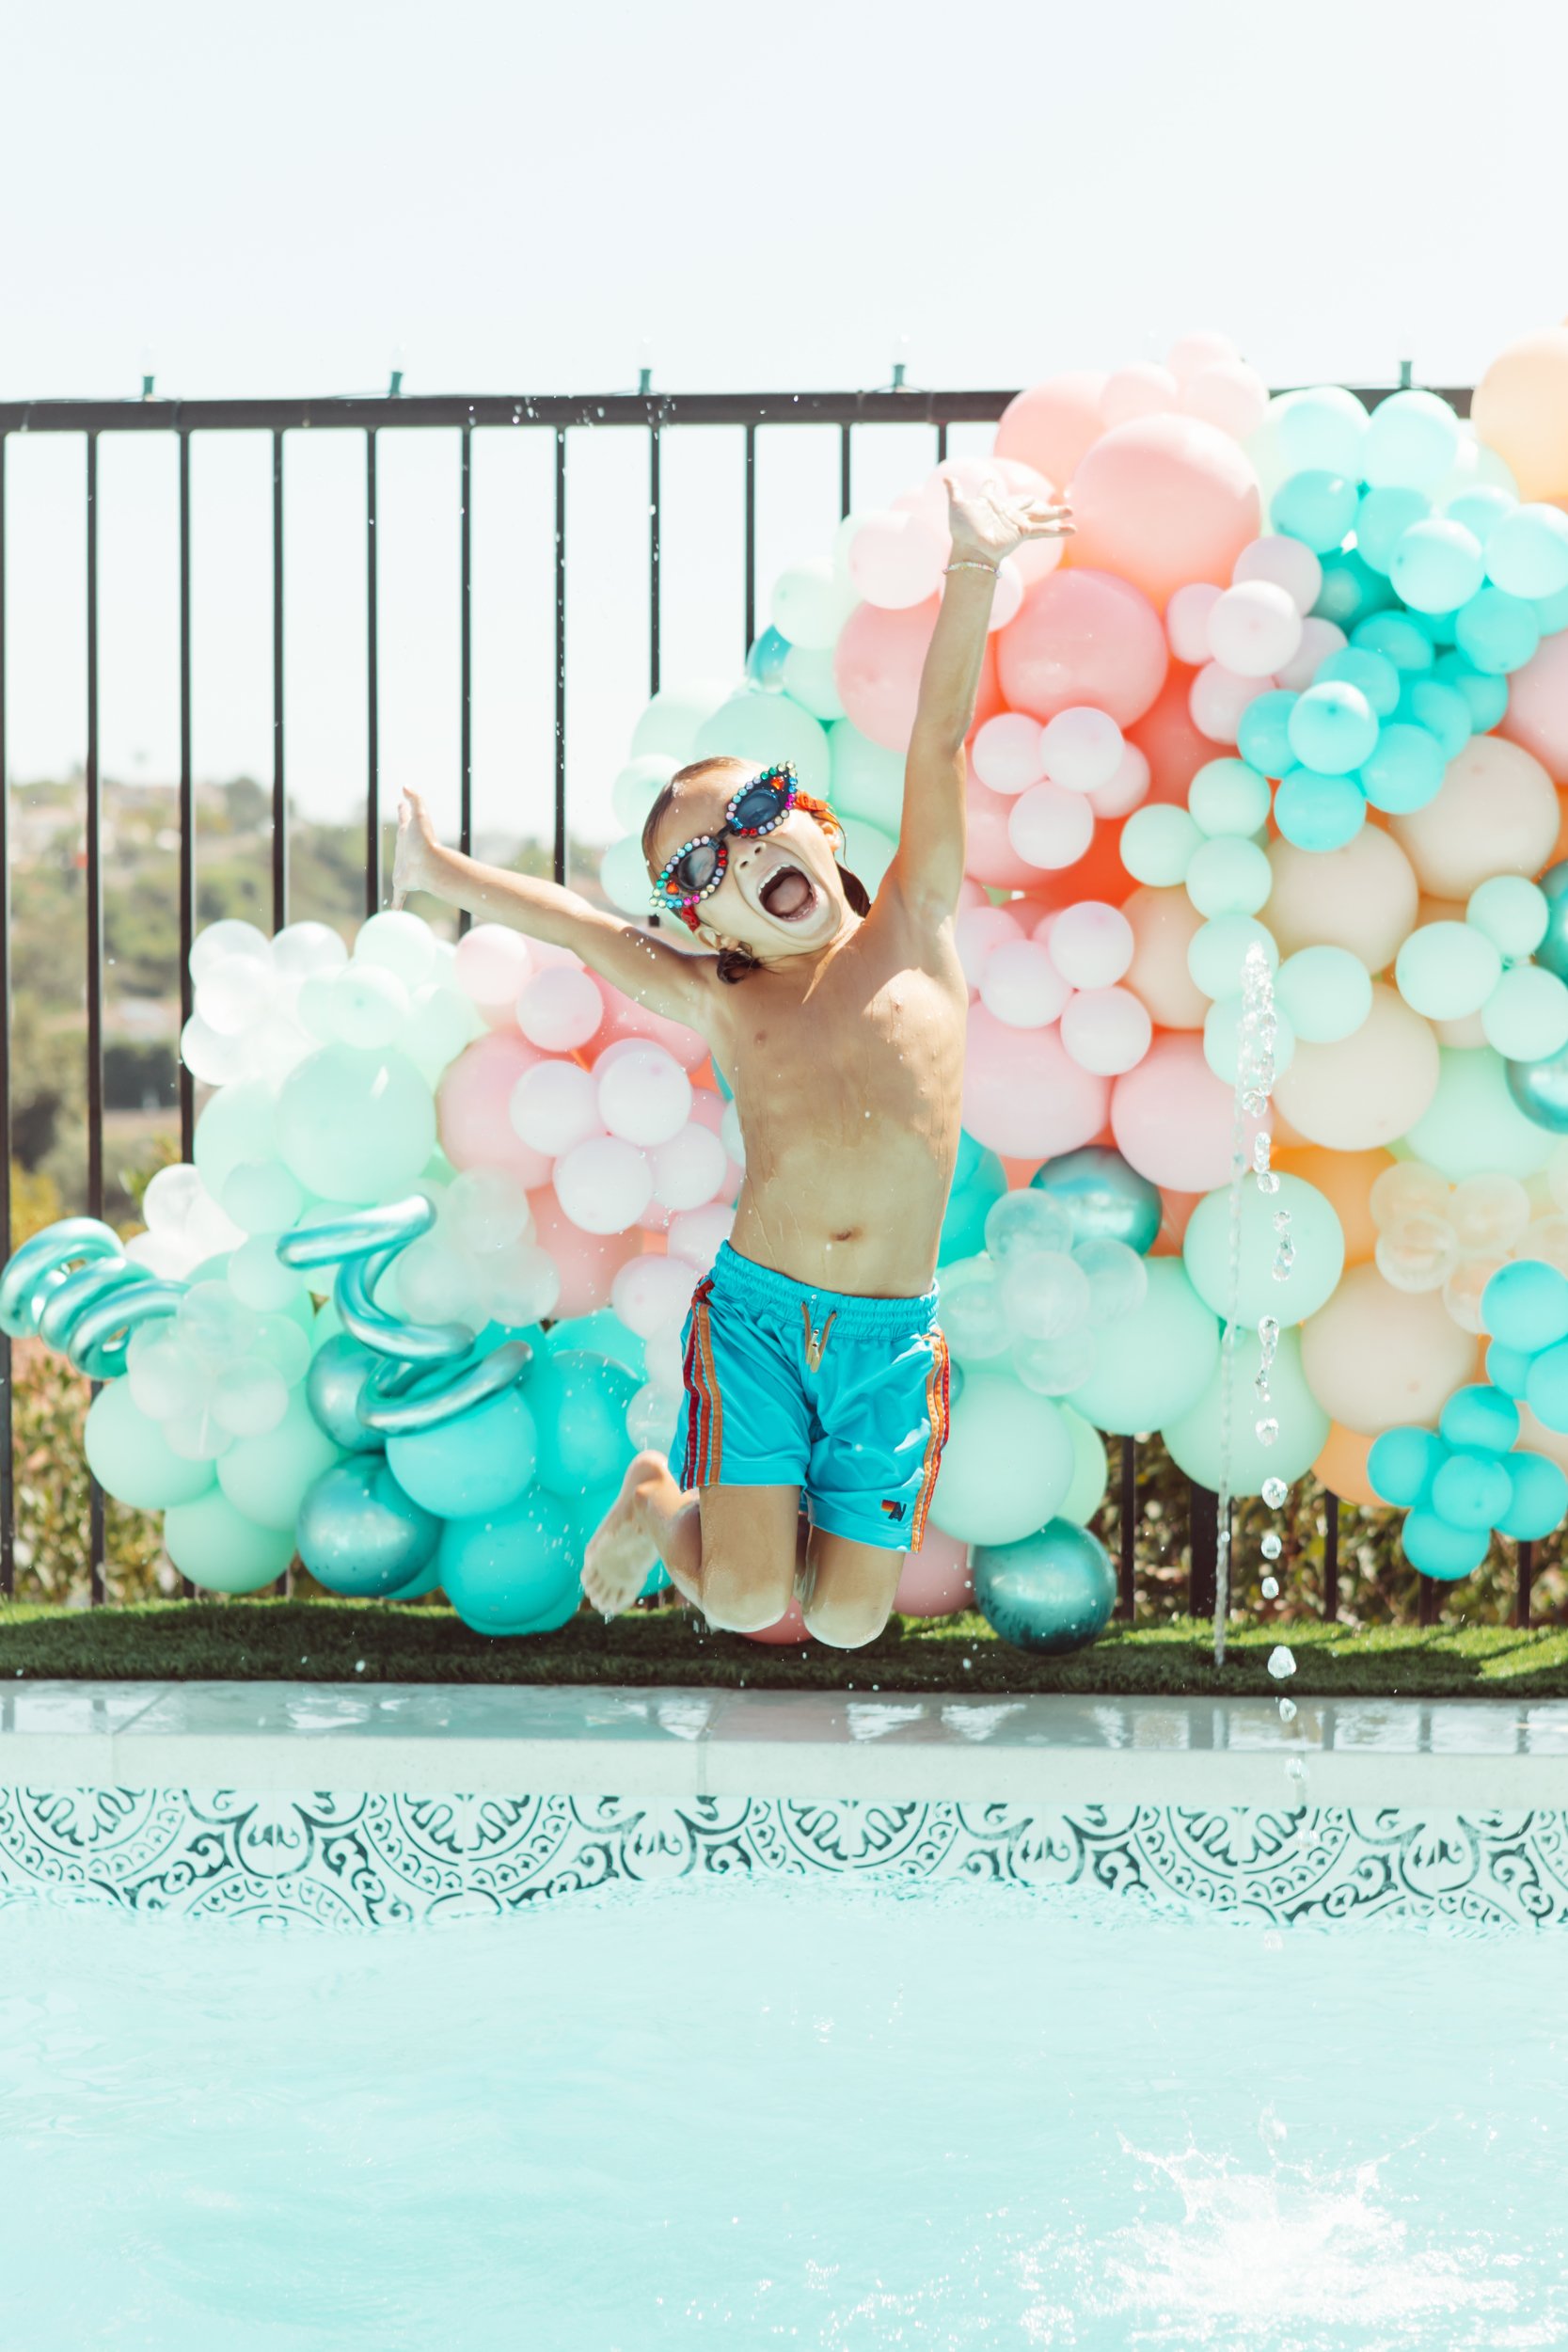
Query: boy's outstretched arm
x=666, y=978
x=927, y=867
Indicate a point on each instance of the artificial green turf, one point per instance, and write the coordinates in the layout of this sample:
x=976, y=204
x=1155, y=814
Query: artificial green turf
x=338, y=1641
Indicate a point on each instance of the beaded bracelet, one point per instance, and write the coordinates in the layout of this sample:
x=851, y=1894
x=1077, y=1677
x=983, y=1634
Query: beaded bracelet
x=965, y=564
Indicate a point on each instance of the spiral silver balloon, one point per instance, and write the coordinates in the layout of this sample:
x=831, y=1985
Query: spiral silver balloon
x=74, y=1287
x=431, y=1373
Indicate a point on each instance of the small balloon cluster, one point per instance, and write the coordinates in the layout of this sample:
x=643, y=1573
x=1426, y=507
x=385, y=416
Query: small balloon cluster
x=1465, y=1482
x=1453, y=1238
x=1038, y=1295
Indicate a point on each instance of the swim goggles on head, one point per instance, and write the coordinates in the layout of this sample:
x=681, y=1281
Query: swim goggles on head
x=758, y=806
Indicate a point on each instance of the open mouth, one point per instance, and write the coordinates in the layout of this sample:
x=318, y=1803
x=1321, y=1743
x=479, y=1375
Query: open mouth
x=788, y=895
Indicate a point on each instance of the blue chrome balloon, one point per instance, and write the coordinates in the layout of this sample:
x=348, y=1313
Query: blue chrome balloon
x=359, y=1534
x=335, y=1386
x=1105, y=1198
x=1051, y=1591
x=1541, y=1089
x=765, y=662
x=1553, y=951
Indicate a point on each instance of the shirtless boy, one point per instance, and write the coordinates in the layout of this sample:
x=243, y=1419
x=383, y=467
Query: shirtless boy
x=813, y=1356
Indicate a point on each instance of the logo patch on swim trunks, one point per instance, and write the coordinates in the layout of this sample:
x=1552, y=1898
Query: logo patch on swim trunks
x=894, y=1510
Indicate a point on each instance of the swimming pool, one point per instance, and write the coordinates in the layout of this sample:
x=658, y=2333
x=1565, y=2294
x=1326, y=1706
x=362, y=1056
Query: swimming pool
x=824, y=2115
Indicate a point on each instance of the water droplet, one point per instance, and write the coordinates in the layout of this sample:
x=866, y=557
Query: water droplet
x=1267, y=1431
x=1274, y=1492
x=1273, y=1940
x=1281, y=1663
x=1287, y=1710
x=1295, y=1769
x=1271, y=1546
x=1271, y=1588
x=1268, y=1183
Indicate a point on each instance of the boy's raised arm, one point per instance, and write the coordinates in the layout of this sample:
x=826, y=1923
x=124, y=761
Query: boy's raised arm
x=927, y=867
x=666, y=978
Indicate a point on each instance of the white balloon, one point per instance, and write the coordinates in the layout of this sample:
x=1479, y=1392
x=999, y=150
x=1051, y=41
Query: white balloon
x=370, y=1005
x=1007, y=753
x=1106, y=1030
x=689, y=1168
x=554, y=1106
x=1187, y=621
x=650, y=1291
x=1051, y=827
x=1022, y=986
x=696, y=1235
x=978, y=932
x=646, y=1096
x=1092, y=945
x=301, y=948
x=561, y=1008
x=492, y=965
x=1255, y=628
x=1288, y=564
x=233, y=992
x=216, y=1060
x=399, y=943
x=1217, y=698
x=1127, y=789
x=521, y=1283
x=603, y=1185
x=228, y=938
x=1319, y=638
x=1081, y=748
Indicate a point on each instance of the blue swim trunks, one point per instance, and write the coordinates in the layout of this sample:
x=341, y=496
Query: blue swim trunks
x=790, y=1386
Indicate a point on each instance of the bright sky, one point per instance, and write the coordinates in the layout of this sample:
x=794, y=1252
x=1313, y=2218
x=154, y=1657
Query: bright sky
x=521, y=199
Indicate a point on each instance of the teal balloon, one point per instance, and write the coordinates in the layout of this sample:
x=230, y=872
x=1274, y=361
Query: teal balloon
x=1538, y=1501
x=1471, y=1490
x=480, y=1462
x=1481, y=510
x=1443, y=711
x=578, y=1402
x=765, y=662
x=1551, y=612
x=1197, y=1442
x=1262, y=737
x=1319, y=813
x=1553, y=950
x=1402, y=1463
x=969, y=1203
x=1404, y=769
x=1525, y=1306
x=1316, y=507
x=1350, y=588
x=1153, y=1364
x=360, y=1535
x=1104, y=1199
x=1485, y=696
x=1541, y=1089
x=1382, y=519
x=602, y=1333
x=1397, y=638
x=1437, y=628
x=1048, y=1592
x=1333, y=730
x=1547, y=1388
x=1437, y=564
x=1443, y=1551
x=515, y=1571
x=1372, y=675
x=1508, y=1368
x=333, y=1385
x=1498, y=632
x=1480, y=1419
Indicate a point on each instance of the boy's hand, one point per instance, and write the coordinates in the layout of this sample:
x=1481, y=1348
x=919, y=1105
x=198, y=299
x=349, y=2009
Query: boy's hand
x=988, y=525
x=415, y=840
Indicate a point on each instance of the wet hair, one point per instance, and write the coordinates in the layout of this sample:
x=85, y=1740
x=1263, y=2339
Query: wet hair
x=734, y=962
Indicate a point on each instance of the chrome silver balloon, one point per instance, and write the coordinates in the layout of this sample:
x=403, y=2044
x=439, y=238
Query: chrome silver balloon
x=359, y=1534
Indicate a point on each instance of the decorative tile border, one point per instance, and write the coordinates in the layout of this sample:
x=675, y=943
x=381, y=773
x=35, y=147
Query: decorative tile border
x=356, y=1861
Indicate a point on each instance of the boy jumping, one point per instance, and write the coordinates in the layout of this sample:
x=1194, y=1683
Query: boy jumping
x=812, y=1356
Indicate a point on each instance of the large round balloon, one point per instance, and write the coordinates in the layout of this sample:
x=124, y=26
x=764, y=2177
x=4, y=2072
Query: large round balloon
x=479, y=1462
x=1083, y=637
x=1317, y=1262
x=1153, y=1363
x=221, y=1550
x=356, y=1124
x=577, y=1400
x=877, y=668
x=1375, y=1356
x=1105, y=1198
x=1278, y=1439
x=1051, y=1591
x=1051, y=424
x=1363, y=897
x=766, y=727
x=1495, y=813
x=1520, y=409
x=266, y=1477
x=1007, y=1464
x=1537, y=714
x=1024, y=1095
x=360, y=1535
x=132, y=1459
x=1483, y=1118
x=1164, y=500
x=513, y=1571
x=1370, y=1089
x=1172, y=1119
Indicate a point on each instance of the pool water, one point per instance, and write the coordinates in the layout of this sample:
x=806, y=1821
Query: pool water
x=824, y=2116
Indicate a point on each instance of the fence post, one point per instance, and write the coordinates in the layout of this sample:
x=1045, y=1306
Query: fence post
x=1331, y=1555
x=1126, y=1595
x=1203, y=1537
x=1520, y=1591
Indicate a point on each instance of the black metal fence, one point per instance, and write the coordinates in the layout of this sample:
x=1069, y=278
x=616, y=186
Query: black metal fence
x=654, y=415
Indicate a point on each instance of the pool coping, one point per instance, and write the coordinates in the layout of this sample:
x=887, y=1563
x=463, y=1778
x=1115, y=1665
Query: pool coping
x=1464, y=1754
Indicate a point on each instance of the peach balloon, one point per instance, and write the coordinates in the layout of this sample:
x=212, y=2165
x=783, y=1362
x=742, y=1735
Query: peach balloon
x=1345, y=1179
x=937, y=1578
x=587, y=1263
x=877, y=668
x=1370, y=1089
x=1164, y=500
x=1023, y=1094
x=1495, y=813
x=1342, y=1466
x=1537, y=713
x=1170, y=741
x=1083, y=636
x=1375, y=1356
x=471, y=1109
x=989, y=853
x=1051, y=424
x=1164, y=924
x=1363, y=897
x=1175, y=1209
x=1520, y=409
x=1172, y=1118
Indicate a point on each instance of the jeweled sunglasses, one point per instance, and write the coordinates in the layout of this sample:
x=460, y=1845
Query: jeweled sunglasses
x=699, y=866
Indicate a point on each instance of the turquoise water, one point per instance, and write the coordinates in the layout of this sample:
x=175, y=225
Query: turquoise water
x=821, y=2117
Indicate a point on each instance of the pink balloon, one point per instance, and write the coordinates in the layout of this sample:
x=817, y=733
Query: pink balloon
x=492, y=965
x=1187, y=620
x=628, y=1019
x=1050, y=826
x=1142, y=389
x=1191, y=353
x=1127, y=788
x=1051, y=424
x=1537, y=714
x=1025, y=1096
x=1169, y=741
x=975, y=935
x=1164, y=500
x=472, y=1108
x=560, y=1010
x=1083, y=636
x=587, y=1263
x=1172, y=1118
x=1218, y=699
x=1106, y=1029
x=989, y=855
x=1228, y=394
x=877, y=668
x=1007, y=755
x=895, y=560
x=1319, y=638
x=791, y=1627
x=938, y=1580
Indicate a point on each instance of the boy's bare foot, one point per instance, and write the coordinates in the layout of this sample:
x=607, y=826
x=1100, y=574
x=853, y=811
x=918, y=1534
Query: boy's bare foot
x=621, y=1552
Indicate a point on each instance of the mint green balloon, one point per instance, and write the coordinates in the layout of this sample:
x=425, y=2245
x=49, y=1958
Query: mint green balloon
x=1473, y=1126
x=1151, y=1365
x=1194, y=1442
x=1315, y=1269
x=237, y=1125
x=867, y=852
x=356, y=1124
x=1090, y=1469
x=265, y=1477
x=1525, y=1017
x=221, y=1550
x=809, y=680
x=867, y=780
x=130, y=1458
x=1007, y=1464
x=1511, y=911
x=1216, y=953
x=766, y=728
x=1324, y=992
x=1229, y=877
x=623, y=876
x=1228, y=796
x=1157, y=844
x=1444, y=971
x=668, y=727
